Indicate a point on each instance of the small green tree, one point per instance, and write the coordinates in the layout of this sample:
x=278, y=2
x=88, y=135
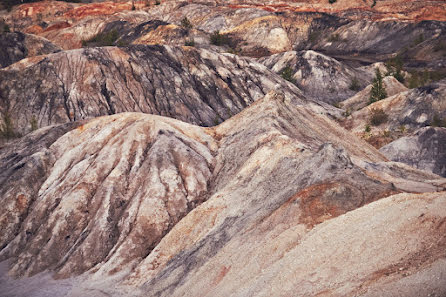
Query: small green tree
x=378, y=91
x=378, y=117
x=288, y=73
x=185, y=23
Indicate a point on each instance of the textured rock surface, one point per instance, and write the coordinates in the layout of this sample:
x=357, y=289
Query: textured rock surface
x=319, y=76
x=152, y=205
x=424, y=149
x=17, y=46
x=196, y=86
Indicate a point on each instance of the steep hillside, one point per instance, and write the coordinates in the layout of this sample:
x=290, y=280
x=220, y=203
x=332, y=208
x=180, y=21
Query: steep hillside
x=196, y=86
x=412, y=109
x=17, y=46
x=150, y=196
x=319, y=76
x=250, y=29
x=424, y=149
x=362, y=98
x=223, y=148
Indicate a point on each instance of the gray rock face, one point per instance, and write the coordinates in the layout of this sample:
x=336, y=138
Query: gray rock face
x=196, y=86
x=17, y=46
x=319, y=76
x=425, y=149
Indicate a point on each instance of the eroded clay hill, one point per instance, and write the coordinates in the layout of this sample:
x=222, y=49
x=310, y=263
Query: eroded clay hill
x=319, y=76
x=17, y=46
x=222, y=148
x=251, y=29
x=151, y=205
x=403, y=111
x=196, y=86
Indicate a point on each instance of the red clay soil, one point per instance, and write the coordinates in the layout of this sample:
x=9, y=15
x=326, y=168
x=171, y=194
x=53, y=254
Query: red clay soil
x=397, y=9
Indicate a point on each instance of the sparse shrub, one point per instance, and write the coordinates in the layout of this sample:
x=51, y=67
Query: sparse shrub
x=331, y=1
x=122, y=43
x=367, y=128
x=189, y=42
x=421, y=78
x=354, y=85
x=313, y=36
x=287, y=74
x=39, y=17
x=102, y=39
x=440, y=46
x=418, y=40
x=7, y=127
x=378, y=91
x=4, y=28
x=217, y=120
x=347, y=113
x=418, y=79
x=185, y=23
x=399, y=76
x=219, y=39
x=34, y=124
x=373, y=4
x=378, y=117
x=437, y=121
x=234, y=51
x=229, y=112
x=394, y=68
x=402, y=129
x=157, y=2
x=334, y=38
x=386, y=133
